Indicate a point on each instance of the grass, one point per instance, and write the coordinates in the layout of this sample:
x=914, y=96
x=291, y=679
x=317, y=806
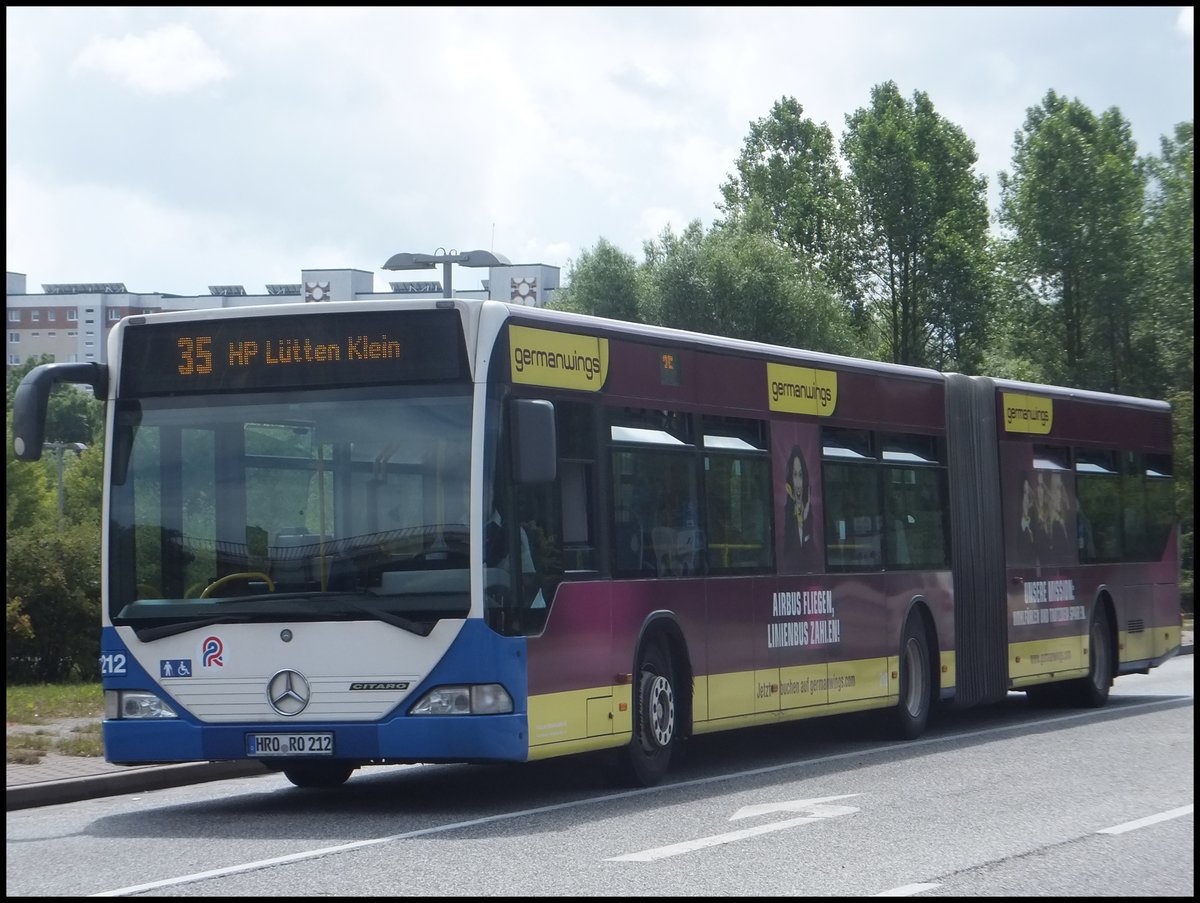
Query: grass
x=43, y=707
x=36, y=703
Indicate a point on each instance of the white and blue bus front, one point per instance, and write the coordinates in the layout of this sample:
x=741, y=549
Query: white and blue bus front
x=290, y=557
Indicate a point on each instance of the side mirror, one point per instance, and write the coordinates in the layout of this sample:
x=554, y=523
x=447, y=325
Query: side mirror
x=534, y=441
x=33, y=394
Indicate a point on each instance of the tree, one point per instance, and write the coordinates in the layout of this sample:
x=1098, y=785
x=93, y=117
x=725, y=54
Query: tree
x=73, y=414
x=1165, y=332
x=29, y=496
x=52, y=582
x=83, y=483
x=603, y=283
x=1166, y=327
x=787, y=182
x=1018, y=326
x=1185, y=494
x=1073, y=203
x=740, y=282
x=923, y=229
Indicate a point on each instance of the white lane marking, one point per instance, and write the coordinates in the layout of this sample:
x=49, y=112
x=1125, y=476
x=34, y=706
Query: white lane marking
x=375, y=841
x=697, y=782
x=688, y=846
x=818, y=808
x=1148, y=820
x=907, y=890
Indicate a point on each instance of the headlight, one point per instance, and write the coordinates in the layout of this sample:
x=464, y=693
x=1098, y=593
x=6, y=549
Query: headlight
x=479, y=699
x=130, y=704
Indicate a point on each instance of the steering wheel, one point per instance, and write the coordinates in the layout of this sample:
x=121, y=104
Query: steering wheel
x=240, y=575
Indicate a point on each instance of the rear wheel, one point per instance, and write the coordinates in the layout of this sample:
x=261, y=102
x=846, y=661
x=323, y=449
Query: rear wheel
x=916, y=687
x=1091, y=692
x=318, y=774
x=648, y=755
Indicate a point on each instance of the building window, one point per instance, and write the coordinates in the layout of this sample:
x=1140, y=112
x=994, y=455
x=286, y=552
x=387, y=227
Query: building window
x=72, y=315
x=35, y=315
x=113, y=316
x=14, y=336
x=14, y=316
x=51, y=315
x=14, y=359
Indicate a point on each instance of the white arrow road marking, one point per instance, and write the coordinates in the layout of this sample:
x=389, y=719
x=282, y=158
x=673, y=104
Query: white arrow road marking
x=908, y=890
x=817, y=808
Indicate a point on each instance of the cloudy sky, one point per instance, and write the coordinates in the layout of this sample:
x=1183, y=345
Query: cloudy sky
x=171, y=148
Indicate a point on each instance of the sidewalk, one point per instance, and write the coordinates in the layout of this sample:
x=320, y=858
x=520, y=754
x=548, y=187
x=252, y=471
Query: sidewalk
x=67, y=779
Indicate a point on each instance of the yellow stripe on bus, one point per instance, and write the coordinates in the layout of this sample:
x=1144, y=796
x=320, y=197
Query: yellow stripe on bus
x=1058, y=658
x=602, y=717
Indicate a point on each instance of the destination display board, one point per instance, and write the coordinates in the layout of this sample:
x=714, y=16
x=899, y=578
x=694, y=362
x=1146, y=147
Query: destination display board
x=316, y=350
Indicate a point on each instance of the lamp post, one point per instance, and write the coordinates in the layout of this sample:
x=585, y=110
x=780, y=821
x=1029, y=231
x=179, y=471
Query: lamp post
x=408, y=261
x=58, y=448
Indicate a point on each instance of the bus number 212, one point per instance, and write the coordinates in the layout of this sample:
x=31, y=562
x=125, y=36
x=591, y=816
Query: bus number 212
x=112, y=663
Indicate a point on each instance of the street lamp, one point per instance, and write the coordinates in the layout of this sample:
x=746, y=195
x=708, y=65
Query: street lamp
x=58, y=448
x=407, y=261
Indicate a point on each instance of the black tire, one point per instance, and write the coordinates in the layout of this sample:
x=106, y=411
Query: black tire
x=911, y=714
x=655, y=713
x=1091, y=692
x=318, y=774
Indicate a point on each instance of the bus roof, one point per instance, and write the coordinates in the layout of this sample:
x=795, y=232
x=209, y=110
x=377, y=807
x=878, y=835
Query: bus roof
x=651, y=333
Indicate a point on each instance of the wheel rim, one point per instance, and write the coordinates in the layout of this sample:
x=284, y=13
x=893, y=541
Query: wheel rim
x=916, y=677
x=660, y=711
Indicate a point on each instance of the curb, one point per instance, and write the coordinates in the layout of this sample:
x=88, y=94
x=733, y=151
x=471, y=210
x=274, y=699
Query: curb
x=136, y=780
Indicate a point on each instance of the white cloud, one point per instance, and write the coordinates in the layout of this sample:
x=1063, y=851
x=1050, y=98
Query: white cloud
x=47, y=239
x=357, y=132
x=168, y=60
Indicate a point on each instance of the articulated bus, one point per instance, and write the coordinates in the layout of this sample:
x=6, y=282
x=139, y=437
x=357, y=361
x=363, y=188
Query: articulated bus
x=347, y=534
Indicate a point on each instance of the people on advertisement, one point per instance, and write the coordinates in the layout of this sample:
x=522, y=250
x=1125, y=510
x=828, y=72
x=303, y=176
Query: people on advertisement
x=798, y=518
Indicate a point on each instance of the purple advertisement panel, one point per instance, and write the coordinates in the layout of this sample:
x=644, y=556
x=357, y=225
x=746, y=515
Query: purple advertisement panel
x=796, y=459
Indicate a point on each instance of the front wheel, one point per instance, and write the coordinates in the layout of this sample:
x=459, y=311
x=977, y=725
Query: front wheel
x=916, y=687
x=318, y=774
x=655, y=714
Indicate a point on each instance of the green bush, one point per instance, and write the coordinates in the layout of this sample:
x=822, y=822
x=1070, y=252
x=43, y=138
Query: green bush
x=53, y=604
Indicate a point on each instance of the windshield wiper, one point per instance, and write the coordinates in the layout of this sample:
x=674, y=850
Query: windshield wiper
x=420, y=628
x=150, y=634
x=285, y=597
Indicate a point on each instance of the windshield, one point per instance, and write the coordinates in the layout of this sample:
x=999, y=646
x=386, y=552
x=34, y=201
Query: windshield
x=285, y=505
